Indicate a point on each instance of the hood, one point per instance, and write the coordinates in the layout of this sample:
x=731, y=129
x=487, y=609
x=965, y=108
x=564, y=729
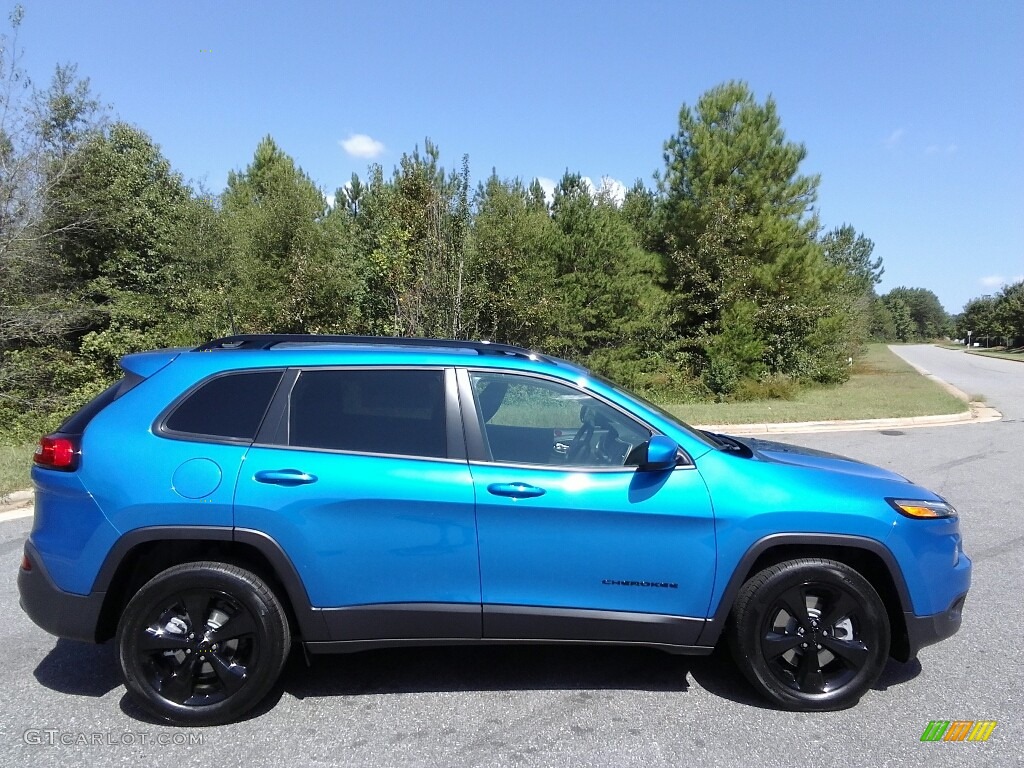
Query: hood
x=782, y=453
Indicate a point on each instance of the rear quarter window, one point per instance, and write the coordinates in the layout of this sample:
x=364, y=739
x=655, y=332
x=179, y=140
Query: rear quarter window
x=229, y=406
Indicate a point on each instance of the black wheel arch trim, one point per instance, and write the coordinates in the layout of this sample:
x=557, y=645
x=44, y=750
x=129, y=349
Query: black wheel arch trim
x=311, y=624
x=716, y=623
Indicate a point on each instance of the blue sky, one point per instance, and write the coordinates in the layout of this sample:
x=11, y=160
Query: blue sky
x=912, y=112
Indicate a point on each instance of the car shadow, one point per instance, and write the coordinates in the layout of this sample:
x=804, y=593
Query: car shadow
x=82, y=669
x=897, y=673
x=484, y=668
x=92, y=670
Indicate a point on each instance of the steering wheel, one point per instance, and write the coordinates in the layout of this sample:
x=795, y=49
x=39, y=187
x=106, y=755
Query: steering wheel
x=580, y=443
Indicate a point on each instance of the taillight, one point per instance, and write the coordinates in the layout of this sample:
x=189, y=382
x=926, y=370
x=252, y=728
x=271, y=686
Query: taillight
x=56, y=452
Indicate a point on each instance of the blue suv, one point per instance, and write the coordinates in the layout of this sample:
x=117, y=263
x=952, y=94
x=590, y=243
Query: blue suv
x=218, y=505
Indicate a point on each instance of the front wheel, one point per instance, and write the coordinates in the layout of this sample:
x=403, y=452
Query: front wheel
x=810, y=634
x=202, y=643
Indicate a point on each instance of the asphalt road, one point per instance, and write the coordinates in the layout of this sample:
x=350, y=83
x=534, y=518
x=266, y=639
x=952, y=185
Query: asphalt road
x=587, y=707
x=1000, y=382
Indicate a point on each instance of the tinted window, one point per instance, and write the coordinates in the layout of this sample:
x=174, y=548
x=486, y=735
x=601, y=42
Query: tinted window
x=534, y=421
x=396, y=412
x=229, y=406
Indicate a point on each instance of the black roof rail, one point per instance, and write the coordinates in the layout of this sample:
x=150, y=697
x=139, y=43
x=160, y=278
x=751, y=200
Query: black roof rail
x=252, y=341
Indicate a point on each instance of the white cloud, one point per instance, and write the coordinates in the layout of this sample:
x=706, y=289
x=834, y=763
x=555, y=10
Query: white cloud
x=934, y=149
x=548, y=185
x=998, y=281
x=330, y=201
x=894, y=138
x=361, y=145
x=613, y=189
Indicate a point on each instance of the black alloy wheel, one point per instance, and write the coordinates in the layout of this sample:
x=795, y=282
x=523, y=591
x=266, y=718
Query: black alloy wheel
x=202, y=643
x=810, y=634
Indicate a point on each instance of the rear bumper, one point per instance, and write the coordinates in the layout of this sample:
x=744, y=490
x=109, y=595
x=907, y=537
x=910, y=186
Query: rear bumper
x=60, y=613
x=926, y=630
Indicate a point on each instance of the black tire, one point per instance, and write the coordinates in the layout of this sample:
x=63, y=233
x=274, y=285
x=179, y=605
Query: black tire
x=202, y=643
x=810, y=634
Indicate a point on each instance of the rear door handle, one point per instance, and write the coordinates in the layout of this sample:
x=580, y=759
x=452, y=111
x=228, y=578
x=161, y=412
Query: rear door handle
x=284, y=477
x=515, y=490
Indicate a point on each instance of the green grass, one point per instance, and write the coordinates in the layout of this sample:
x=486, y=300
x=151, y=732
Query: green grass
x=881, y=386
x=15, y=462
x=1004, y=354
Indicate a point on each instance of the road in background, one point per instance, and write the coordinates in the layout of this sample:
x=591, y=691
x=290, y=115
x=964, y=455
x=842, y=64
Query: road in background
x=1001, y=382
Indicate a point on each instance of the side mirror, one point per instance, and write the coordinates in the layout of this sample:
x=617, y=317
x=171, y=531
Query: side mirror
x=661, y=454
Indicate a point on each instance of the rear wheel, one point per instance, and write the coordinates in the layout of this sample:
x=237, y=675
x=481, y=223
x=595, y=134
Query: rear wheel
x=202, y=643
x=810, y=634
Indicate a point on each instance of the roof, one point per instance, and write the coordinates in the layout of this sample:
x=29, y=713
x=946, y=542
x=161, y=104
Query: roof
x=306, y=341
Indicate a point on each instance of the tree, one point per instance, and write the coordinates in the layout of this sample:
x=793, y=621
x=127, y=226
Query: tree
x=928, y=320
x=1009, y=312
x=979, y=318
x=510, y=272
x=38, y=132
x=412, y=236
x=740, y=238
x=290, y=265
x=851, y=252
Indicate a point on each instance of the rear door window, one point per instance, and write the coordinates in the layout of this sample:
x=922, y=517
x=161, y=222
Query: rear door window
x=397, y=412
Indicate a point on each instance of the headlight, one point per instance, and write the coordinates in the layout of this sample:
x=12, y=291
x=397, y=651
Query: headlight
x=922, y=509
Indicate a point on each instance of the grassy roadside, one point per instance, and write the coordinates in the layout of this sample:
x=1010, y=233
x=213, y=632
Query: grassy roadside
x=1007, y=354
x=881, y=386
x=15, y=462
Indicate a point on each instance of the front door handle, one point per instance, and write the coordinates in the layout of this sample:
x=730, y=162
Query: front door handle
x=515, y=490
x=284, y=477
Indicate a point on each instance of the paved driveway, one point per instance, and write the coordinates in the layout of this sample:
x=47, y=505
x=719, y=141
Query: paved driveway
x=588, y=706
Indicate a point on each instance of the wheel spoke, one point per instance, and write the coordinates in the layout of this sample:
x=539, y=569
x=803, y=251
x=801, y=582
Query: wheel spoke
x=231, y=676
x=795, y=603
x=853, y=652
x=197, y=610
x=179, y=685
x=844, y=606
x=154, y=639
x=808, y=676
x=238, y=625
x=775, y=644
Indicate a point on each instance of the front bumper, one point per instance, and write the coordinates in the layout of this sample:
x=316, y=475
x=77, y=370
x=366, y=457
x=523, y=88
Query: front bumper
x=64, y=614
x=926, y=630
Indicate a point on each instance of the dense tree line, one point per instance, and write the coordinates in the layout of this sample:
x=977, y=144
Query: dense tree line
x=716, y=282
x=996, y=319
x=909, y=314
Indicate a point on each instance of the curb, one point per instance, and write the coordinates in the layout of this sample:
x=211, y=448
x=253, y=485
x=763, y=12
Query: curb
x=979, y=414
x=16, y=504
x=992, y=357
